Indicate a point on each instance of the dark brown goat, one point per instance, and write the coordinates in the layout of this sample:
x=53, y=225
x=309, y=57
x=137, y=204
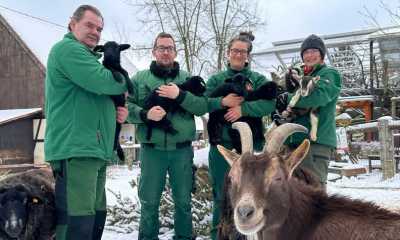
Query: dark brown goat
x=268, y=203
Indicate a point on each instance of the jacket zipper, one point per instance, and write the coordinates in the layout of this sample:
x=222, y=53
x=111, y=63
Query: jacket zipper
x=98, y=135
x=165, y=133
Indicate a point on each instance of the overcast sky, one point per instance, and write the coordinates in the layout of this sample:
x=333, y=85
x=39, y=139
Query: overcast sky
x=286, y=19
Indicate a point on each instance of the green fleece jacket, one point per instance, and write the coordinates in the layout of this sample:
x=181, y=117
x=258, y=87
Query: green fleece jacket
x=324, y=98
x=257, y=108
x=80, y=115
x=144, y=83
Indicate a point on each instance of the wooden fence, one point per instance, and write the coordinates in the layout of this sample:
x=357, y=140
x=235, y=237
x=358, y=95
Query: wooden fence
x=386, y=129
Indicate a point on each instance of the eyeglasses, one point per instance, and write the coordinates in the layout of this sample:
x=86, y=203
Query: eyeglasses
x=311, y=51
x=168, y=49
x=239, y=51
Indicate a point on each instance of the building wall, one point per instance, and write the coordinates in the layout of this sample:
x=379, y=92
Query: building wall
x=21, y=75
x=16, y=142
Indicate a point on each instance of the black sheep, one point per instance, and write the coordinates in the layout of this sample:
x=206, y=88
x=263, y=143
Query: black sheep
x=27, y=206
x=195, y=85
x=112, y=61
x=241, y=86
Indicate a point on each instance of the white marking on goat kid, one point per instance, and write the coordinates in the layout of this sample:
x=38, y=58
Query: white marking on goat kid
x=14, y=220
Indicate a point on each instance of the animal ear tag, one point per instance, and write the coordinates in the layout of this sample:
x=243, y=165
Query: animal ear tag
x=35, y=200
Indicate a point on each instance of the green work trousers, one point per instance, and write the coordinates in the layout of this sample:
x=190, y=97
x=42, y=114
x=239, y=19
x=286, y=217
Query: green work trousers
x=317, y=160
x=154, y=166
x=80, y=198
x=217, y=166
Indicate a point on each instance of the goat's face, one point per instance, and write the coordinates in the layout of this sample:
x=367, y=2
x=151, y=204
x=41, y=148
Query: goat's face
x=241, y=84
x=112, y=52
x=13, y=210
x=195, y=85
x=259, y=187
x=307, y=85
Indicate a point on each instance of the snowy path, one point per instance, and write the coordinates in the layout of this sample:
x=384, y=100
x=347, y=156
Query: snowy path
x=367, y=187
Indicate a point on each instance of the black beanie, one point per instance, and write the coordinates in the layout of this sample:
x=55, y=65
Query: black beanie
x=313, y=41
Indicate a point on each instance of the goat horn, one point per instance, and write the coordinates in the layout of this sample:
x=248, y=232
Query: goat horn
x=246, y=137
x=279, y=135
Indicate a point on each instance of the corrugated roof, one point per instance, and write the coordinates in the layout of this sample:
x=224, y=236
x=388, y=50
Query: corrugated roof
x=350, y=53
x=10, y=115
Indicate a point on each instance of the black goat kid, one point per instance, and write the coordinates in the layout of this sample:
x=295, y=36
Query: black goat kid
x=241, y=86
x=195, y=85
x=112, y=61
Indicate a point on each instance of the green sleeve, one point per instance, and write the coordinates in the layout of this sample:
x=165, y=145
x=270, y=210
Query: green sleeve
x=133, y=107
x=327, y=89
x=213, y=104
x=258, y=108
x=194, y=104
x=81, y=67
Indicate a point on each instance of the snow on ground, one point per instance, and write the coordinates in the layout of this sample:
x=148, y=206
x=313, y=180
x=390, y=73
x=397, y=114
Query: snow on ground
x=367, y=187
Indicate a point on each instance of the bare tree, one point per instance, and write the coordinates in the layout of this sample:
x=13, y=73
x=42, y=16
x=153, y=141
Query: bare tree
x=393, y=13
x=201, y=28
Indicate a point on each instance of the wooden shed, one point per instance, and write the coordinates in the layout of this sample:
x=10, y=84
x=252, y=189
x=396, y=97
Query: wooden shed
x=22, y=73
x=17, y=137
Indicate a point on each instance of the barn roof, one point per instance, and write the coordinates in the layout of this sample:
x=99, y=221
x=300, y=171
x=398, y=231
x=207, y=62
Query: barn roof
x=10, y=115
x=38, y=36
x=21, y=42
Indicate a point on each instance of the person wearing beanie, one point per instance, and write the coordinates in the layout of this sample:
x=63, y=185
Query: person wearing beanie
x=238, y=53
x=323, y=98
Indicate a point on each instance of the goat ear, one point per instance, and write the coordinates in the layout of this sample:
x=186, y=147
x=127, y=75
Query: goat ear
x=229, y=155
x=297, y=156
x=99, y=48
x=123, y=47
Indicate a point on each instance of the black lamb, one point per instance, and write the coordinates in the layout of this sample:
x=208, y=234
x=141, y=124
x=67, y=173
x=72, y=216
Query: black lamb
x=195, y=85
x=27, y=206
x=241, y=86
x=112, y=61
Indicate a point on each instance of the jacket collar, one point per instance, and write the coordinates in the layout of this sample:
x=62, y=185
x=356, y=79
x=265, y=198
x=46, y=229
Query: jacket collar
x=316, y=68
x=71, y=36
x=245, y=71
x=163, y=72
x=232, y=72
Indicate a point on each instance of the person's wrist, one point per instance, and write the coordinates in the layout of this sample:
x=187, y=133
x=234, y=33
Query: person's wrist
x=144, y=115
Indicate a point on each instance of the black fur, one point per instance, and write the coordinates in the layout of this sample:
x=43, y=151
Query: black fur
x=112, y=61
x=237, y=84
x=194, y=84
x=27, y=206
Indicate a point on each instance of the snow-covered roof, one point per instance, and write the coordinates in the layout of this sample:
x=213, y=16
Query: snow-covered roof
x=10, y=115
x=356, y=98
x=40, y=36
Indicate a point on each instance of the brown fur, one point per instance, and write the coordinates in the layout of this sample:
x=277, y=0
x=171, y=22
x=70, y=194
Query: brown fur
x=301, y=211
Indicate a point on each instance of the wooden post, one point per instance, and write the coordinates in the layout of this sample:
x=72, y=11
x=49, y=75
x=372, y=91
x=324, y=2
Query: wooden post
x=386, y=154
x=371, y=66
x=395, y=101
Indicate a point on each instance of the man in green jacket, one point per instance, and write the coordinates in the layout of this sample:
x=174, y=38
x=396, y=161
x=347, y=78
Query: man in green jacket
x=165, y=153
x=323, y=98
x=80, y=126
x=238, y=52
